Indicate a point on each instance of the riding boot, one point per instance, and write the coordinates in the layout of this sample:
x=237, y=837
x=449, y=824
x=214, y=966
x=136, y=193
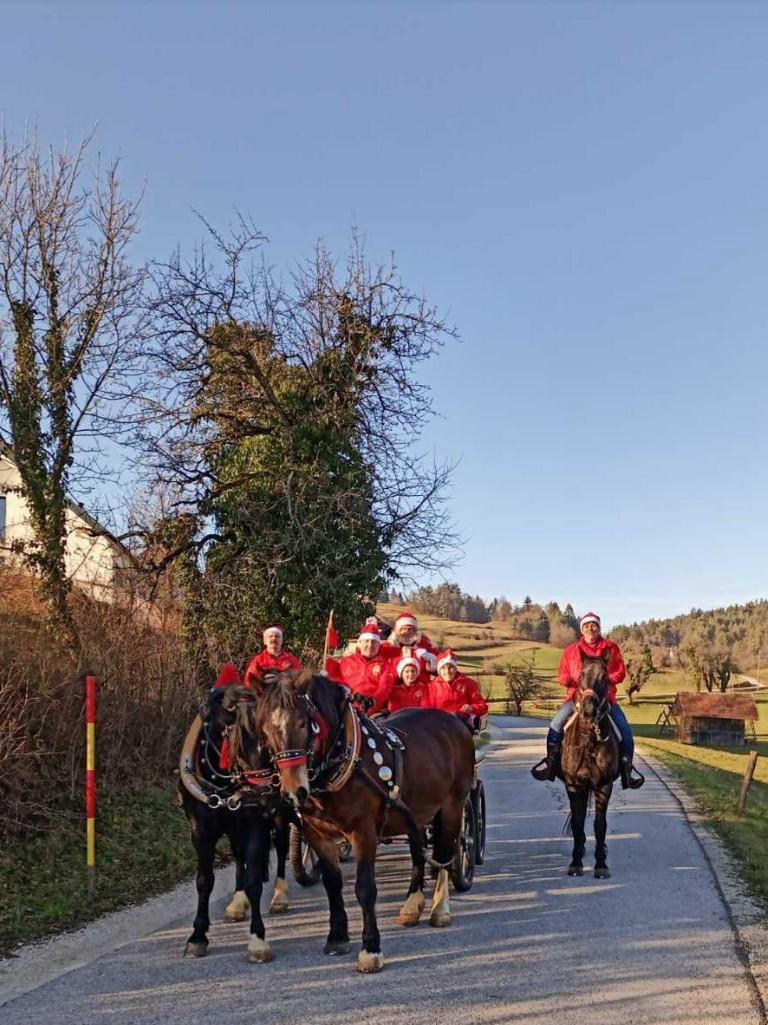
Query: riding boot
x=547, y=768
x=631, y=778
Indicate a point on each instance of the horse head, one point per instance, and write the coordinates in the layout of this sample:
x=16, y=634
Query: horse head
x=592, y=693
x=296, y=714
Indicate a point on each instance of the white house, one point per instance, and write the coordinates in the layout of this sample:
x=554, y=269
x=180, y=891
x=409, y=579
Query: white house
x=94, y=563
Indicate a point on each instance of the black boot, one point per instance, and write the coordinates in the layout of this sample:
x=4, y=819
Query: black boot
x=547, y=768
x=631, y=778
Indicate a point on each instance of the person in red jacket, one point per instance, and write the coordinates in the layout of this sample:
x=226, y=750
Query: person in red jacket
x=465, y=697
x=406, y=634
x=272, y=658
x=367, y=672
x=413, y=688
x=592, y=645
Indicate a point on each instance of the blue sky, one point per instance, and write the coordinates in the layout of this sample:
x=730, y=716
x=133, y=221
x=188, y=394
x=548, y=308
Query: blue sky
x=582, y=188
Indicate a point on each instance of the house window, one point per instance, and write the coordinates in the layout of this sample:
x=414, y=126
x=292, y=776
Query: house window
x=2, y=517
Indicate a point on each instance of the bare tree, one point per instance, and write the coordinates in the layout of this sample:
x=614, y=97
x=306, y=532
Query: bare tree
x=70, y=331
x=521, y=681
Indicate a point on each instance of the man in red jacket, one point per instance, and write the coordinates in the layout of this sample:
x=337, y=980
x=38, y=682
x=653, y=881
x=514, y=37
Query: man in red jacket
x=367, y=671
x=592, y=645
x=273, y=658
x=406, y=634
x=465, y=697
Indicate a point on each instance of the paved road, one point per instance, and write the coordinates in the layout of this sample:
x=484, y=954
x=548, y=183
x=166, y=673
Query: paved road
x=528, y=945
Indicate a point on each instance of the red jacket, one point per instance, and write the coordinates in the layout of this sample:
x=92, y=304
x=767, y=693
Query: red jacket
x=395, y=651
x=464, y=691
x=571, y=662
x=435, y=694
x=264, y=663
x=372, y=677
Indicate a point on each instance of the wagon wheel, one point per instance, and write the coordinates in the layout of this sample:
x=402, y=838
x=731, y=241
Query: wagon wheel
x=304, y=861
x=479, y=808
x=462, y=870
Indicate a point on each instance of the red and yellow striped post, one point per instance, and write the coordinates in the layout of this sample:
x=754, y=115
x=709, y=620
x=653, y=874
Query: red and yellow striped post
x=90, y=781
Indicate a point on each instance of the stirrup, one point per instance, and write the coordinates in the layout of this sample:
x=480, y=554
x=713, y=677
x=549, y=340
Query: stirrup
x=544, y=771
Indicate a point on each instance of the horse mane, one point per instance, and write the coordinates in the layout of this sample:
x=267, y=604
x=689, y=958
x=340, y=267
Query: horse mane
x=280, y=692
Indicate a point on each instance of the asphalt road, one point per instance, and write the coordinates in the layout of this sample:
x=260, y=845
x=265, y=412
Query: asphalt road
x=527, y=945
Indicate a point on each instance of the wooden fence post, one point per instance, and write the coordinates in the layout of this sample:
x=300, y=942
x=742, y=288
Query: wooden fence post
x=749, y=772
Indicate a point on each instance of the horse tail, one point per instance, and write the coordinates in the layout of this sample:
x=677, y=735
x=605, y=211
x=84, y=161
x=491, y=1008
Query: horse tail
x=568, y=825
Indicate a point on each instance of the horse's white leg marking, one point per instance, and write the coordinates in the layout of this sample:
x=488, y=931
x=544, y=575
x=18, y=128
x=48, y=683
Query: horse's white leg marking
x=441, y=905
x=410, y=912
x=279, y=900
x=238, y=908
x=369, y=963
x=259, y=951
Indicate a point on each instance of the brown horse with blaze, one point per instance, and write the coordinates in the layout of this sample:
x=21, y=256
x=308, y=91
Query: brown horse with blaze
x=349, y=776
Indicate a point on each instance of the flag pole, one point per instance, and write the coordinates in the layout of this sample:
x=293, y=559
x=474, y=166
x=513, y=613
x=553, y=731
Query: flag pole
x=328, y=629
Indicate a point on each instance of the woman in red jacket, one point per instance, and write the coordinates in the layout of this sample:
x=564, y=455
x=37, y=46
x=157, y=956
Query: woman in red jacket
x=414, y=688
x=592, y=645
x=465, y=697
x=273, y=658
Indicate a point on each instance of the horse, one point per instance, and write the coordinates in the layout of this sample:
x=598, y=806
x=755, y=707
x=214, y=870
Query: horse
x=218, y=801
x=348, y=775
x=589, y=763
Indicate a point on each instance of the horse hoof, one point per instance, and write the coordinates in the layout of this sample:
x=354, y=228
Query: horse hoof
x=259, y=951
x=439, y=920
x=235, y=915
x=411, y=911
x=603, y=873
x=334, y=947
x=195, y=949
x=407, y=920
x=278, y=907
x=575, y=870
x=369, y=963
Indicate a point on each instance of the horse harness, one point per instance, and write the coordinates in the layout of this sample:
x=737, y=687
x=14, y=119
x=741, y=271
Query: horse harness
x=603, y=712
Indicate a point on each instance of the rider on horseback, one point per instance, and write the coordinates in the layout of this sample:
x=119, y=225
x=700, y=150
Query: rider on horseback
x=591, y=645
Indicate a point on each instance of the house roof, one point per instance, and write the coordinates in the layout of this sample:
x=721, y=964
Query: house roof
x=6, y=451
x=714, y=706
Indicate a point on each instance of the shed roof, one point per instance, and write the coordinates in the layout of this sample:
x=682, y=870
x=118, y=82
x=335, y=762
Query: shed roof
x=715, y=706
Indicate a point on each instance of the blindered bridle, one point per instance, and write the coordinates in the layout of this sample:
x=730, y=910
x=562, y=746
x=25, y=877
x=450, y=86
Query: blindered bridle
x=329, y=763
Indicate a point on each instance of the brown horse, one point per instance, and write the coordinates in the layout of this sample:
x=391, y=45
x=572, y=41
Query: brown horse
x=590, y=763
x=347, y=775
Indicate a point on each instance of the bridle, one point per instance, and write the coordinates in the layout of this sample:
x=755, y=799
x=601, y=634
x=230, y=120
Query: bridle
x=601, y=712
x=311, y=755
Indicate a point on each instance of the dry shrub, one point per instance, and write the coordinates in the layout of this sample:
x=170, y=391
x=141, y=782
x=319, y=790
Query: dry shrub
x=147, y=692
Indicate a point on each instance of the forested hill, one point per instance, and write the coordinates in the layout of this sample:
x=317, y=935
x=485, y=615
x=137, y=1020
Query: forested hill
x=741, y=630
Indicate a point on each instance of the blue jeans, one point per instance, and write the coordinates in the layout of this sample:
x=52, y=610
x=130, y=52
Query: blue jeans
x=626, y=744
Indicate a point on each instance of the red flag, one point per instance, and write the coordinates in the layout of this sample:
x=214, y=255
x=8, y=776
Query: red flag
x=331, y=639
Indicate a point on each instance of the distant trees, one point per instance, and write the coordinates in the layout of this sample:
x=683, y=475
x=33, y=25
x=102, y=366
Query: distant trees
x=448, y=601
x=640, y=668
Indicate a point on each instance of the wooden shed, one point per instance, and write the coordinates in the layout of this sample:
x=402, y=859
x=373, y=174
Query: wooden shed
x=713, y=718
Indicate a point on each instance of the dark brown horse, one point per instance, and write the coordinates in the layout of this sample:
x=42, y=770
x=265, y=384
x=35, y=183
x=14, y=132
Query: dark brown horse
x=590, y=763
x=219, y=800
x=343, y=773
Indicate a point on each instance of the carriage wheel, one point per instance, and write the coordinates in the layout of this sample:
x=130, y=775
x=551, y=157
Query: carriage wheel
x=304, y=861
x=462, y=870
x=479, y=807
x=345, y=851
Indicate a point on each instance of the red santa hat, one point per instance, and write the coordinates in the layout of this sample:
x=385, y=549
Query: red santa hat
x=590, y=617
x=228, y=675
x=273, y=630
x=403, y=664
x=405, y=619
x=445, y=658
x=370, y=632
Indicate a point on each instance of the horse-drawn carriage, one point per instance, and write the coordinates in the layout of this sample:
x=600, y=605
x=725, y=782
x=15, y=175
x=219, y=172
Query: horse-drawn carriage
x=300, y=750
